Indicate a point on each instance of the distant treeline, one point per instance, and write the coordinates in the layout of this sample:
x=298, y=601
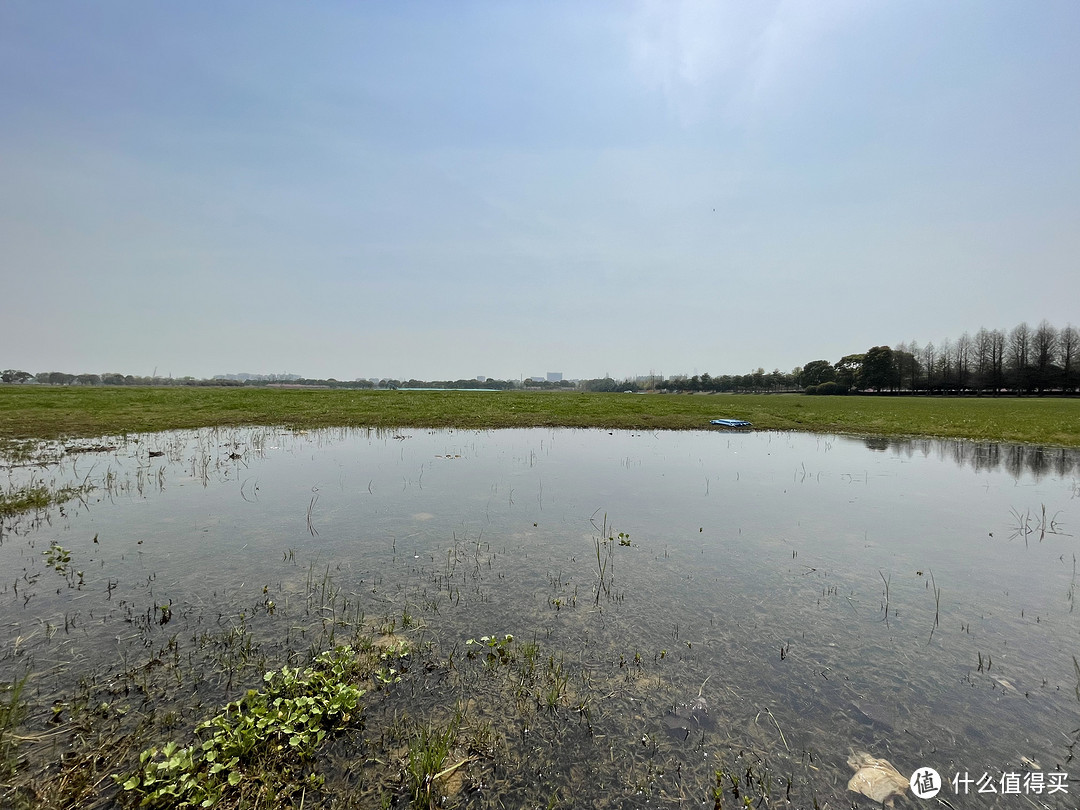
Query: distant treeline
x=1021, y=360
x=62, y=378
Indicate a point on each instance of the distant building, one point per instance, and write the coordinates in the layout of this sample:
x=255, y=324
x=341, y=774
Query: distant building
x=481, y=378
x=536, y=379
x=554, y=376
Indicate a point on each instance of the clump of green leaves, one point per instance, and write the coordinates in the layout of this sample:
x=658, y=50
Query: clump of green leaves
x=498, y=649
x=392, y=662
x=264, y=739
x=57, y=557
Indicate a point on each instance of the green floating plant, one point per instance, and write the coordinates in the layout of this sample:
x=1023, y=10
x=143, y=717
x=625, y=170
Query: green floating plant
x=498, y=649
x=266, y=732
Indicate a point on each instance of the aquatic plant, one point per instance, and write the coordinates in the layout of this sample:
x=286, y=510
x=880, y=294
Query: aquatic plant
x=425, y=764
x=37, y=496
x=12, y=710
x=57, y=557
x=498, y=649
x=256, y=742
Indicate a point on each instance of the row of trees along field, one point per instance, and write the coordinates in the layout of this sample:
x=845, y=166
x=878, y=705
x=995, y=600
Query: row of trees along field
x=1022, y=360
x=1019, y=361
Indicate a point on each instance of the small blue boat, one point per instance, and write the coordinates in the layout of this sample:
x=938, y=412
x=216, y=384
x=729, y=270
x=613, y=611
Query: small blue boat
x=733, y=423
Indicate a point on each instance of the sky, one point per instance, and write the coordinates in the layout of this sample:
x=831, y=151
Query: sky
x=439, y=190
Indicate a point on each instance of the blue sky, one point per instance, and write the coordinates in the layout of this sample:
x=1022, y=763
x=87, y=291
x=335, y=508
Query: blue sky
x=442, y=190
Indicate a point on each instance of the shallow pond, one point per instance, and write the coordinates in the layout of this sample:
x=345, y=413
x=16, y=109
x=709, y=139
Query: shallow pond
x=819, y=594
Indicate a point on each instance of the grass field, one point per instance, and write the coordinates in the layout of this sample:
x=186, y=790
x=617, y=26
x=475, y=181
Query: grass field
x=47, y=412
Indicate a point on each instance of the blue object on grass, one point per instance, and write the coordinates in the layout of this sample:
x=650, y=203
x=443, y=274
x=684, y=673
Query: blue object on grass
x=730, y=422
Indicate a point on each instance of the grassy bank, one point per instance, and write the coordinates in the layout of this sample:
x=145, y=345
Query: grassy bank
x=53, y=412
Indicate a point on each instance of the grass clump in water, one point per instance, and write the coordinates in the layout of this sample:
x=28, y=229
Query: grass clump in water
x=36, y=496
x=12, y=710
x=17, y=500
x=258, y=748
x=426, y=763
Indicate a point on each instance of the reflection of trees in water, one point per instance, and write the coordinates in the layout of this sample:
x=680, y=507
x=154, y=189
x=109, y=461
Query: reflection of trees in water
x=1016, y=459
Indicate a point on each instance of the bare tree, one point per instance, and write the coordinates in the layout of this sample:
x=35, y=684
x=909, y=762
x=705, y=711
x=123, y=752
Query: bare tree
x=1069, y=353
x=1019, y=351
x=997, y=359
x=929, y=355
x=1044, y=346
x=982, y=357
x=945, y=357
x=963, y=360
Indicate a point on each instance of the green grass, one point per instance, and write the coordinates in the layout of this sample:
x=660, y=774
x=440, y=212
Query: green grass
x=36, y=496
x=45, y=412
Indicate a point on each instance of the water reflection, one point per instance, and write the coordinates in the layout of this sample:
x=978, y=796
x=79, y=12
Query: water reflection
x=1016, y=459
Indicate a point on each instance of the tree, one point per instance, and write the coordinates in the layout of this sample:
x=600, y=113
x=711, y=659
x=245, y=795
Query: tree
x=997, y=359
x=981, y=354
x=929, y=356
x=848, y=368
x=963, y=352
x=916, y=353
x=817, y=372
x=1044, y=344
x=906, y=365
x=1019, y=349
x=601, y=384
x=12, y=375
x=877, y=370
x=1069, y=352
x=945, y=369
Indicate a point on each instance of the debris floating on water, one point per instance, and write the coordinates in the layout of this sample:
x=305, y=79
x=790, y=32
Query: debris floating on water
x=876, y=778
x=683, y=719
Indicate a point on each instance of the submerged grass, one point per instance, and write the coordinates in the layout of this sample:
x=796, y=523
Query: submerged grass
x=12, y=710
x=24, y=499
x=46, y=412
x=374, y=720
x=36, y=496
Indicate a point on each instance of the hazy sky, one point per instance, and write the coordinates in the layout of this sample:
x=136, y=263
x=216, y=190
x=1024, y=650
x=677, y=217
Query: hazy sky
x=440, y=190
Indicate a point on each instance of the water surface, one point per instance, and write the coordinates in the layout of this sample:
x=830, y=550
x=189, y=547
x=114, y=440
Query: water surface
x=914, y=600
